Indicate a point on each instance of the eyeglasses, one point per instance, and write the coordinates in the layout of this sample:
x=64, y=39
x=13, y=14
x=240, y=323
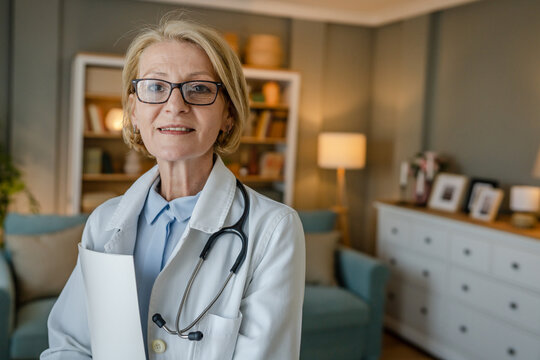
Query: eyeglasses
x=196, y=92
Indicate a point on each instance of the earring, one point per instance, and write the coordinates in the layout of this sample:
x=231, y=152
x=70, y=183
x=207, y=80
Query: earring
x=135, y=130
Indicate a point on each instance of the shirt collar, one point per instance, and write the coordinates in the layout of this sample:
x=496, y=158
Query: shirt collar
x=180, y=208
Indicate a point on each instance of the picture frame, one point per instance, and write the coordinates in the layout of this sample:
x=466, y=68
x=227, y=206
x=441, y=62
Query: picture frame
x=448, y=192
x=486, y=206
x=475, y=185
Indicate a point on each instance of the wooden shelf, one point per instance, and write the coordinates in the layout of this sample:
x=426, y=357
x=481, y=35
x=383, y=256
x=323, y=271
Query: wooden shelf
x=107, y=135
x=109, y=177
x=257, y=140
x=264, y=106
x=103, y=97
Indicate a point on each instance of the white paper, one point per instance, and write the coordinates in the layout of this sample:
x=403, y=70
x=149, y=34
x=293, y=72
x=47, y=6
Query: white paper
x=113, y=308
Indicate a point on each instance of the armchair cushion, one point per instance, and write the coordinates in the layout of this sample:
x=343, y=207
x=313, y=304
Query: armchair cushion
x=42, y=263
x=329, y=307
x=30, y=336
x=320, y=259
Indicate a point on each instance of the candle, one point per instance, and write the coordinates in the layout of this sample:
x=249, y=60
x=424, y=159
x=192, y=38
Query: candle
x=430, y=165
x=420, y=186
x=403, y=174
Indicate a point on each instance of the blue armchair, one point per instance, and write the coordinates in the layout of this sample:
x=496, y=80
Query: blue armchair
x=343, y=322
x=23, y=327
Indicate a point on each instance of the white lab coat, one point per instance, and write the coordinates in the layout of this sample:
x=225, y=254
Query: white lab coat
x=259, y=314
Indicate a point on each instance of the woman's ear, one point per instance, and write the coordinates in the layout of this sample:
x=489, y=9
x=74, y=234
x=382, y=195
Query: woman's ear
x=131, y=106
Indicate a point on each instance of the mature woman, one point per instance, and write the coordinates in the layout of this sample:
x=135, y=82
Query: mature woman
x=185, y=103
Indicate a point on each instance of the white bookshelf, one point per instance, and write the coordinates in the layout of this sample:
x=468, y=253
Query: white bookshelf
x=81, y=137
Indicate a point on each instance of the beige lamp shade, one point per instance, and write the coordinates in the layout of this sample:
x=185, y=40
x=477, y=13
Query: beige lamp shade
x=342, y=150
x=524, y=198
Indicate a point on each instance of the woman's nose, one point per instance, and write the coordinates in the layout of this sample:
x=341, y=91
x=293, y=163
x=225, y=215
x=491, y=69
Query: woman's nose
x=176, y=101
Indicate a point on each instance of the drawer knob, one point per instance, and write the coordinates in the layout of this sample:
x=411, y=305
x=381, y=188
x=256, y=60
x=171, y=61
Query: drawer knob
x=467, y=252
x=513, y=305
x=425, y=273
x=463, y=329
x=427, y=240
x=515, y=265
x=423, y=310
x=465, y=287
x=393, y=261
x=391, y=296
x=394, y=231
x=511, y=351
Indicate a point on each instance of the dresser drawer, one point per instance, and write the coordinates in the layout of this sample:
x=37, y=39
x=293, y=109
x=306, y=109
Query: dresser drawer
x=471, y=253
x=505, y=302
x=517, y=266
x=430, y=240
x=415, y=268
x=394, y=256
x=487, y=338
x=394, y=228
x=416, y=308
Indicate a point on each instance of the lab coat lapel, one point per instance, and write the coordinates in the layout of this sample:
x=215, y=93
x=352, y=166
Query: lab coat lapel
x=126, y=216
x=216, y=199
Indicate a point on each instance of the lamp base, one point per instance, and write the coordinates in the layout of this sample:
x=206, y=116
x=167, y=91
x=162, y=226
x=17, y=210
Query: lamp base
x=523, y=220
x=342, y=212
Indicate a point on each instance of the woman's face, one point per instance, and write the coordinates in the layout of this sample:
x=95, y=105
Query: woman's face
x=176, y=131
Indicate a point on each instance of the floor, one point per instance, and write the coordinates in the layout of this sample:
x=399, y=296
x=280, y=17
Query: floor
x=395, y=348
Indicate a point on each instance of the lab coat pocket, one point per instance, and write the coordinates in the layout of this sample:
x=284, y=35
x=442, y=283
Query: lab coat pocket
x=219, y=337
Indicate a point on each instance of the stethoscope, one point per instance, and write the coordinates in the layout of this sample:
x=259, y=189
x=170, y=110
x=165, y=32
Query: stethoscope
x=235, y=229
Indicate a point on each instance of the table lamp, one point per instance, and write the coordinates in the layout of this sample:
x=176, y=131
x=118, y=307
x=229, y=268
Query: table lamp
x=340, y=150
x=524, y=202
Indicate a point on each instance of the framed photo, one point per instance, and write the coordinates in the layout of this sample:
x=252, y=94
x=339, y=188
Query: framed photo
x=448, y=192
x=475, y=185
x=487, y=204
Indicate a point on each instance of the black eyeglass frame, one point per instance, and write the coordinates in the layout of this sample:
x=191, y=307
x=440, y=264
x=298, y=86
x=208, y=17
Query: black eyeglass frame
x=180, y=87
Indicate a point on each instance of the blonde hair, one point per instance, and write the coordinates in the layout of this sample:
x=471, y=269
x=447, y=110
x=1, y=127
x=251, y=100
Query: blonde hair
x=224, y=61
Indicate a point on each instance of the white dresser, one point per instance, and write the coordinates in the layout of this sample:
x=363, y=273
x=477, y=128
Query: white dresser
x=461, y=289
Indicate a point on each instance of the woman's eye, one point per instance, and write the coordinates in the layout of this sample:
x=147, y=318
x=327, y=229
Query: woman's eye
x=156, y=87
x=200, y=88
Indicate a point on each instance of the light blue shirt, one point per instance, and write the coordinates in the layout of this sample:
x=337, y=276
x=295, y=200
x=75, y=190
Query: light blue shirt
x=160, y=227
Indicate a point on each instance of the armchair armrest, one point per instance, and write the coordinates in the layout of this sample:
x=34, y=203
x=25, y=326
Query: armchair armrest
x=7, y=305
x=366, y=277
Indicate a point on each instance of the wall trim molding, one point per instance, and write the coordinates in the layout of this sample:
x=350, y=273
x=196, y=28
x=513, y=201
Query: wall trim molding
x=331, y=13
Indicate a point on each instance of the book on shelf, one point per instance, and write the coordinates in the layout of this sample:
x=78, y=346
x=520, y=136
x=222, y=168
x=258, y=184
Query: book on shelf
x=271, y=164
x=263, y=123
x=95, y=115
x=92, y=160
x=250, y=125
x=277, y=128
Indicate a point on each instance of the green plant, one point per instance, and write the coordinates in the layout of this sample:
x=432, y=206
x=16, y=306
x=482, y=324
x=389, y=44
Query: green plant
x=11, y=183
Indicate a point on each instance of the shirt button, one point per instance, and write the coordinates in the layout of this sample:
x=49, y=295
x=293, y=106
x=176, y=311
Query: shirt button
x=159, y=346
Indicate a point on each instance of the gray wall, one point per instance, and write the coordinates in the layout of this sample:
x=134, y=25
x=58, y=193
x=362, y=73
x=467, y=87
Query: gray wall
x=398, y=102
x=4, y=69
x=34, y=96
x=485, y=104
